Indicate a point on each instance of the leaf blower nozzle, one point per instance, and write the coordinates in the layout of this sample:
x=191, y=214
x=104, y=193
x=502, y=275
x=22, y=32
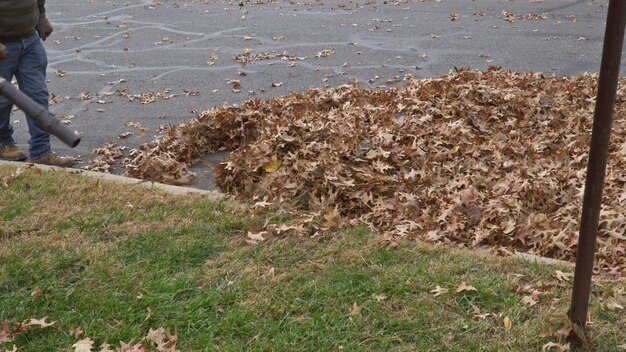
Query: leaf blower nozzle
x=40, y=114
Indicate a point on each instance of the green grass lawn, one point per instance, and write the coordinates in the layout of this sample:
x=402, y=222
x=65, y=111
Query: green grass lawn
x=110, y=262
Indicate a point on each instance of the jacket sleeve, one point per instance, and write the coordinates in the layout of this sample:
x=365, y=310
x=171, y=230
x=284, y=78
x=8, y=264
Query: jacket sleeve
x=41, y=5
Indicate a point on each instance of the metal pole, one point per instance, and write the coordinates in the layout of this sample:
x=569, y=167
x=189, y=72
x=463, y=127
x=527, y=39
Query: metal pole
x=598, y=155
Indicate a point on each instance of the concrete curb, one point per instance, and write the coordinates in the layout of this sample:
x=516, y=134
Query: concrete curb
x=531, y=258
x=178, y=190
x=526, y=257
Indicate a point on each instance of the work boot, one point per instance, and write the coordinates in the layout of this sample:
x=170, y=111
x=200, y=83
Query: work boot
x=12, y=153
x=52, y=159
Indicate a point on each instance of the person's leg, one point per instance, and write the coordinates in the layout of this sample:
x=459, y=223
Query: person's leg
x=31, y=78
x=8, y=67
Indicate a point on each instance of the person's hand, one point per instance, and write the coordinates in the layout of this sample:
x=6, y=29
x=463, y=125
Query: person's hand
x=44, y=28
x=3, y=52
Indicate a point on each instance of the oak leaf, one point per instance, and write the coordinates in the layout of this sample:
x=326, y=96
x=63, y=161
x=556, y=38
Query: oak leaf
x=465, y=287
x=355, y=310
x=272, y=165
x=556, y=347
x=84, y=345
x=39, y=322
x=507, y=322
x=437, y=291
x=5, y=332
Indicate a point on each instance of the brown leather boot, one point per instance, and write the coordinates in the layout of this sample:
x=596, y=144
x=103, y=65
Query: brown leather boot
x=12, y=153
x=52, y=159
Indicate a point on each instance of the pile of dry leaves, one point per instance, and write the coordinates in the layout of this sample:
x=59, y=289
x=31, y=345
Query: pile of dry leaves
x=491, y=158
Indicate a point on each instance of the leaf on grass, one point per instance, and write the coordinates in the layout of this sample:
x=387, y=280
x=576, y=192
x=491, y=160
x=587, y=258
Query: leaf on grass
x=465, y=287
x=284, y=228
x=106, y=348
x=615, y=306
x=556, y=347
x=257, y=237
x=271, y=272
x=355, y=310
x=75, y=331
x=379, y=297
x=521, y=289
x=149, y=310
x=478, y=314
x=529, y=301
x=563, y=331
x=84, y=345
x=39, y=322
x=129, y=347
x=261, y=204
x=162, y=340
x=7, y=179
x=563, y=277
x=5, y=332
x=438, y=291
x=507, y=322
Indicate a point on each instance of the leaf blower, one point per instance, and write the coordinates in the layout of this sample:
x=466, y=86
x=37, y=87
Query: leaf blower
x=40, y=114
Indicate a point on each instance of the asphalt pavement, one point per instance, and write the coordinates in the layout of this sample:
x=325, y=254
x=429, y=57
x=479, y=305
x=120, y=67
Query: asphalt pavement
x=119, y=67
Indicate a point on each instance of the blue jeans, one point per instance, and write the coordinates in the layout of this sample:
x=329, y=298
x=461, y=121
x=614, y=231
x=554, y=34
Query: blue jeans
x=27, y=62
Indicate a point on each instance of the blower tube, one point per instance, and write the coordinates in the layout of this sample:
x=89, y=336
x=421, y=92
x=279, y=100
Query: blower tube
x=42, y=117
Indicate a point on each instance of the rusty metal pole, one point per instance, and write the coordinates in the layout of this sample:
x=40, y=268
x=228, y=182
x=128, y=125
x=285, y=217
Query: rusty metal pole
x=598, y=155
